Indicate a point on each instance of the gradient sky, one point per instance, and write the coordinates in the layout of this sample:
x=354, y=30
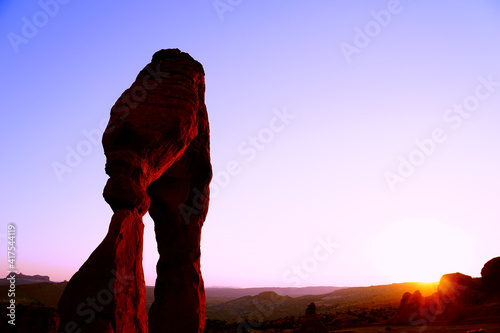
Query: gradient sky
x=381, y=167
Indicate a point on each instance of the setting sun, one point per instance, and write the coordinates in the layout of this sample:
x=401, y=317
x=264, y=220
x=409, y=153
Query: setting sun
x=420, y=250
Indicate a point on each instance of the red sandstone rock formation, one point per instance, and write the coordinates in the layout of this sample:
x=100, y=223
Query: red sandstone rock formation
x=454, y=292
x=157, y=150
x=490, y=276
x=457, y=288
x=312, y=323
x=458, y=297
x=410, y=309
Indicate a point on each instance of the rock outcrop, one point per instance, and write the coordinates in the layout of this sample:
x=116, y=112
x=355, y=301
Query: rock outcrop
x=448, y=304
x=490, y=276
x=410, y=309
x=412, y=302
x=458, y=297
x=312, y=323
x=458, y=288
x=158, y=159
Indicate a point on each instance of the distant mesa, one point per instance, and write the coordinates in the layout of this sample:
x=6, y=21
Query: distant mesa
x=22, y=279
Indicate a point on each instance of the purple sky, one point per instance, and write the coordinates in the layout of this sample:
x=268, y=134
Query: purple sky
x=353, y=142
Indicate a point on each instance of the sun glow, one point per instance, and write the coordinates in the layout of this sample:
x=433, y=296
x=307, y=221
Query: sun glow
x=420, y=250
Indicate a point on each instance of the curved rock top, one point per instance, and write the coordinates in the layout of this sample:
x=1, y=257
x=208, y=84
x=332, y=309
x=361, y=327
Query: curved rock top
x=491, y=276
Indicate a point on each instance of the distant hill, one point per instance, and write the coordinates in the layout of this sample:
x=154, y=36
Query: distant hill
x=269, y=302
